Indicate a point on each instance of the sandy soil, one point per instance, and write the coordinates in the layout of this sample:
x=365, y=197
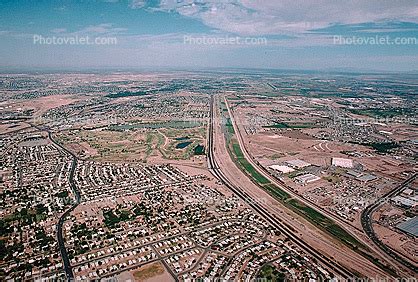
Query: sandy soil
x=386, y=218
x=43, y=104
x=6, y=128
x=154, y=272
x=316, y=238
x=401, y=243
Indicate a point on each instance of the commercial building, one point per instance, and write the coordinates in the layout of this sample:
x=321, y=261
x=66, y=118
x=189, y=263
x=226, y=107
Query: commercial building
x=409, y=226
x=297, y=163
x=341, y=162
x=307, y=178
x=282, y=168
x=404, y=202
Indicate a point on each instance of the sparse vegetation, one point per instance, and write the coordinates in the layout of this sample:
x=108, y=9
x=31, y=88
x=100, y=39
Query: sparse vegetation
x=240, y=158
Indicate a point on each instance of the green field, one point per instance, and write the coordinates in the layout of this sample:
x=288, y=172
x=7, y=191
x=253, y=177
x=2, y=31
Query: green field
x=384, y=147
x=247, y=166
x=288, y=125
x=229, y=126
x=176, y=124
x=127, y=94
x=270, y=273
x=276, y=192
x=384, y=113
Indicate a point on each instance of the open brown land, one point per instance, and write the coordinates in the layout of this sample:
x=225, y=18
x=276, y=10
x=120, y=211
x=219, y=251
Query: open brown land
x=311, y=234
x=117, y=176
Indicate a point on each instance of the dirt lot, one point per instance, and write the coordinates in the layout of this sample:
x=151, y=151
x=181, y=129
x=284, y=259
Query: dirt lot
x=43, y=104
x=153, y=272
x=386, y=218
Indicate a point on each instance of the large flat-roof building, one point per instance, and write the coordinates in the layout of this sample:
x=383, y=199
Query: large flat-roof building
x=297, y=163
x=307, y=178
x=341, y=162
x=404, y=202
x=282, y=168
x=367, y=178
x=409, y=226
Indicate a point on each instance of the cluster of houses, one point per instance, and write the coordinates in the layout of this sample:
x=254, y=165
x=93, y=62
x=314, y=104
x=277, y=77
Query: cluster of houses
x=38, y=191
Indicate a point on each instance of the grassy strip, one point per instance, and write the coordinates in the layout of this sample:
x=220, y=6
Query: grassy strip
x=259, y=178
x=288, y=125
x=309, y=213
x=276, y=192
x=229, y=126
x=325, y=223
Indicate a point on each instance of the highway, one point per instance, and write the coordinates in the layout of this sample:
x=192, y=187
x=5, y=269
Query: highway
x=261, y=169
x=66, y=261
x=367, y=223
x=272, y=219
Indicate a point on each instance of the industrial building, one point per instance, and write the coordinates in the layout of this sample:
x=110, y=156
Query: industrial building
x=297, y=164
x=341, y=162
x=409, y=226
x=307, y=178
x=282, y=168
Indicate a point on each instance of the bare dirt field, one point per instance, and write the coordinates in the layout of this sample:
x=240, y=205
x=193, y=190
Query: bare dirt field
x=43, y=104
x=153, y=272
x=9, y=127
x=310, y=234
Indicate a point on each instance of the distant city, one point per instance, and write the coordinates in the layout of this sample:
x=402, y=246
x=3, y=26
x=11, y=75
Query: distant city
x=209, y=175
x=208, y=141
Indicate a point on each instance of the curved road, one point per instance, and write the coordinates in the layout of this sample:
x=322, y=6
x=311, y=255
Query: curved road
x=61, y=243
x=66, y=261
x=367, y=223
x=217, y=172
x=285, y=188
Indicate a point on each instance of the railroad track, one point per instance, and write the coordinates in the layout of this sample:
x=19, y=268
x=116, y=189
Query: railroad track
x=367, y=228
x=272, y=219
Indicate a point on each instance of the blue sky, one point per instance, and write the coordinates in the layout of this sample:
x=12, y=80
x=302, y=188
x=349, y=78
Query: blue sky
x=294, y=34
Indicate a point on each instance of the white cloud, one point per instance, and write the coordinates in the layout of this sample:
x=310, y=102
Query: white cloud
x=4, y=32
x=137, y=4
x=254, y=17
x=105, y=28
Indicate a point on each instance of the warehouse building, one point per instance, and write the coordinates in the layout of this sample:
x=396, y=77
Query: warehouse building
x=409, y=226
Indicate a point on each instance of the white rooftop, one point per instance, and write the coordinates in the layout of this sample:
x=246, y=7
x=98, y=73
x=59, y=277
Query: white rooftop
x=307, y=178
x=298, y=163
x=341, y=162
x=282, y=168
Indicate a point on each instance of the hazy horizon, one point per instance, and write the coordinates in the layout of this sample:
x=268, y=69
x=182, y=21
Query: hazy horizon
x=355, y=35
